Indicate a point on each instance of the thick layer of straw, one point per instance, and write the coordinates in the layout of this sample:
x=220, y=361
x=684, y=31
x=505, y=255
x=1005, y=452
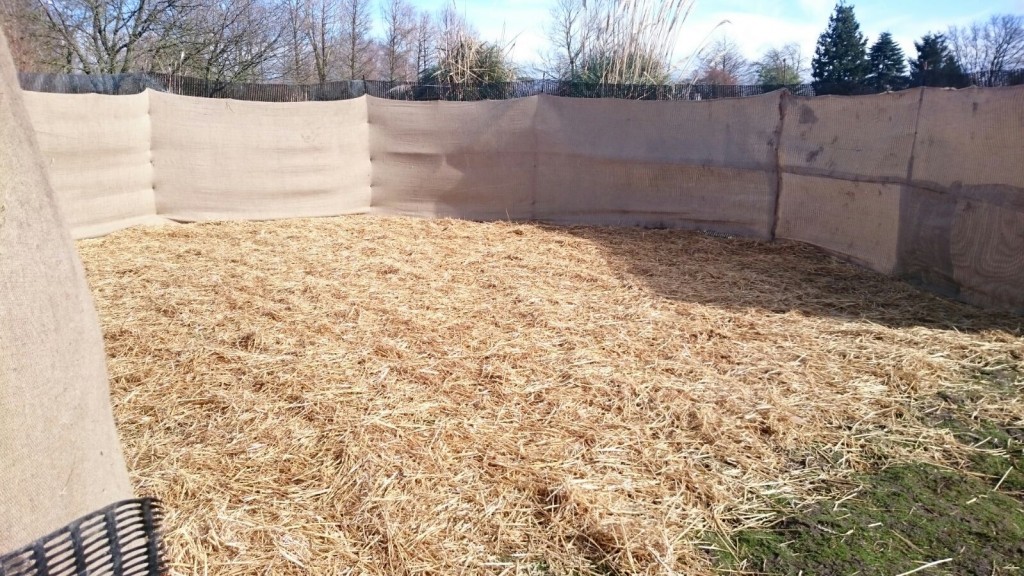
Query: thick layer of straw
x=397, y=396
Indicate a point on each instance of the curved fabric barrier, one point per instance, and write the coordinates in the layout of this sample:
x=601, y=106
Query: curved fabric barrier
x=924, y=184
x=60, y=457
x=97, y=151
x=844, y=161
x=697, y=165
x=579, y=161
x=962, y=212
x=230, y=160
x=472, y=160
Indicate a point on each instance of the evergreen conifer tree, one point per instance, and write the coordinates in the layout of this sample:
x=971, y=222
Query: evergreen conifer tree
x=935, y=64
x=840, y=64
x=888, y=65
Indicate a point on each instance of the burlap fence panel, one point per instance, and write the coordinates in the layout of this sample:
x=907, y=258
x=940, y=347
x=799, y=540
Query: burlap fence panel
x=844, y=162
x=230, y=160
x=96, y=149
x=962, y=218
x=472, y=160
x=868, y=138
x=859, y=220
x=703, y=165
x=970, y=137
x=59, y=453
x=924, y=252
x=987, y=249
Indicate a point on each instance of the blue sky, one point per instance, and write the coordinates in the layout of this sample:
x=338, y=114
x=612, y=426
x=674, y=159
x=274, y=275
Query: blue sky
x=754, y=24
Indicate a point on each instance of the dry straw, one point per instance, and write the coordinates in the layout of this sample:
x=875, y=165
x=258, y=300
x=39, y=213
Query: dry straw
x=397, y=396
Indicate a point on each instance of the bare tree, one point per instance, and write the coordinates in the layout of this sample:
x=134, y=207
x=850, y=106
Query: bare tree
x=722, y=63
x=425, y=42
x=225, y=41
x=30, y=43
x=113, y=36
x=452, y=27
x=294, y=57
x=323, y=33
x=781, y=66
x=567, y=33
x=991, y=47
x=399, y=42
x=356, y=25
x=452, y=31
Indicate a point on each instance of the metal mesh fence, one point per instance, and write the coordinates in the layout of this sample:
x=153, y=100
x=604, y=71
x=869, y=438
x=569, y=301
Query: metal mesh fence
x=395, y=90
x=345, y=89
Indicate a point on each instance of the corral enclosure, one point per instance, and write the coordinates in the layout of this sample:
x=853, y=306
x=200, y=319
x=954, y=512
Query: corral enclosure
x=923, y=184
x=378, y=394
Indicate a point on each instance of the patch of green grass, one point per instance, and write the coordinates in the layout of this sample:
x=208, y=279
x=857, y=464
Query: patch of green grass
x=1000, y=454
x=905, y=517
x=909, y=515
x=1000, y=446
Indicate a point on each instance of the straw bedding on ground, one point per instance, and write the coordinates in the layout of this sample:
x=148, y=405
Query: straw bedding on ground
x=398, y=396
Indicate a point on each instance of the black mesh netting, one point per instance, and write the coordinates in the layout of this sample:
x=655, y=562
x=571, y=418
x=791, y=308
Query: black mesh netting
x=345, y=89
x=122, y=539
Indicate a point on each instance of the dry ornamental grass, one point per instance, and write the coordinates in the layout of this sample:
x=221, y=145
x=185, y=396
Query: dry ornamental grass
x=397, y=396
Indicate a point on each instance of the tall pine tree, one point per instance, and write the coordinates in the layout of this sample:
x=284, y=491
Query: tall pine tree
x=888, y=65
x=935, y=64
x=840, y=64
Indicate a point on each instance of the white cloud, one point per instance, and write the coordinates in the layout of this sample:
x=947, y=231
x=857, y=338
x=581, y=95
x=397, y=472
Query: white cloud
x=518, y=24
x=753, y=33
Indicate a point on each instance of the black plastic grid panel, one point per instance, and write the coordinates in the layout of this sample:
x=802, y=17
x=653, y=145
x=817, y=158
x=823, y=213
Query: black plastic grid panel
x=122, y=539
